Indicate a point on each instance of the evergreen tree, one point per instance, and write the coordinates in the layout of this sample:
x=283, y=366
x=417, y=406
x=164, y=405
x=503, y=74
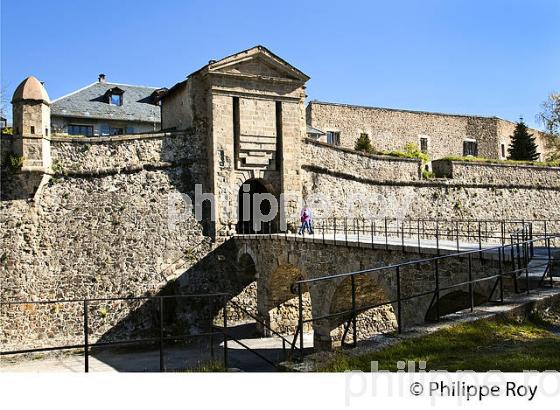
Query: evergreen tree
x=363, y=143
x=523, y=146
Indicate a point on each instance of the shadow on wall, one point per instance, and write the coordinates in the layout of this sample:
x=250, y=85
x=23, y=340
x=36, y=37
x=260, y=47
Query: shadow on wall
x=216, y=272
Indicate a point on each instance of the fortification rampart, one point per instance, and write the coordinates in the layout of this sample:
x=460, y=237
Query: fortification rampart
x=473, y=191
x=377, y=167
x=99, y=225
x=500, y=174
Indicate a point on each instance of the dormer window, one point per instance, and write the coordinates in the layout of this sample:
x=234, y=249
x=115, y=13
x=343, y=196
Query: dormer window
x=116, y=99
x=115, y=96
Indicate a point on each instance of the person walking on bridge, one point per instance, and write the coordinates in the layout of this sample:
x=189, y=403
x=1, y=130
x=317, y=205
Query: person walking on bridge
x=306, y=218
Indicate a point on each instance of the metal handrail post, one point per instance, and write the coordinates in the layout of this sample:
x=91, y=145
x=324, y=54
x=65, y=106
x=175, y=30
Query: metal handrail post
x=500, y=271
x=479, y=240
x=224, y=314
x=549, y=262
x=300, y=321
x=212, y=329
x=402, y=235
x=354, y=324
x=458, y=248
x=334, y=230
x=86, y=336
x=161, y=358
x=531, y=244
x=437, y=238
x=471, y=287
x=386, y=237
x=437, y=288
x=526, y=260
x=418, y=236
x=346, y=231
x=372, y=227
x=399, y=302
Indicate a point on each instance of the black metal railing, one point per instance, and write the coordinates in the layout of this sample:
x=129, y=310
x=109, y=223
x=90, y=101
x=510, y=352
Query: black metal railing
x=512, y=261
x=215, y=333
x=407, y=233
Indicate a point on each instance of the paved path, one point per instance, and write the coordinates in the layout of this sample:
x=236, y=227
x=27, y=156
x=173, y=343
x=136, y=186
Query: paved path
x=408, y=244
x=177, y=358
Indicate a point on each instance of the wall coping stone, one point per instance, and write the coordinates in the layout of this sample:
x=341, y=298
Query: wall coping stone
x=127, y=169
x=358, y=153
x=497, y=165
x=117, y=138
x=439, y=182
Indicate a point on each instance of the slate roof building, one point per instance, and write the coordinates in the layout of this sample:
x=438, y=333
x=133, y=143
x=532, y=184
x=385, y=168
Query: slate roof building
x=104, y=108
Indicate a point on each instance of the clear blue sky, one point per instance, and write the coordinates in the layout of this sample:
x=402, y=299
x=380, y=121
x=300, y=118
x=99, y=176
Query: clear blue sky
x=492, y=57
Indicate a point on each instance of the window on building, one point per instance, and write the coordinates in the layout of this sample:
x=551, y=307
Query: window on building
x=47, y=132
x=333, y=138
x=32, y=129
x=76, y=129
x=424, y=144
x=503, y=148
x=470, y=148
x=116, y=99
x=116, y=131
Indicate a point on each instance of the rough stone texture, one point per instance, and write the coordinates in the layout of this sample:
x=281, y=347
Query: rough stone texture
x=515, y=175
x=87, y=238
x=381, y=168
x=436, y=200
x=99, y=227
x=97, y=154
x=391, y=129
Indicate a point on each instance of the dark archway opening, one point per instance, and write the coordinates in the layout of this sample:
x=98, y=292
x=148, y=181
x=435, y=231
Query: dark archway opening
x=454, y=302
x=249, y=212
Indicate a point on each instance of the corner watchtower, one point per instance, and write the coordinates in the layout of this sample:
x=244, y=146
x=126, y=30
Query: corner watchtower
x=32, y=125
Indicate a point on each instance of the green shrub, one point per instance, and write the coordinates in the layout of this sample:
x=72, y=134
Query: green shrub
x=411, y=150
x=363, y=144
x=15, y=162
x=428, y=174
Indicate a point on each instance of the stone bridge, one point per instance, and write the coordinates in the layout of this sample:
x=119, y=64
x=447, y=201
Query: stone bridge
x=271, y=264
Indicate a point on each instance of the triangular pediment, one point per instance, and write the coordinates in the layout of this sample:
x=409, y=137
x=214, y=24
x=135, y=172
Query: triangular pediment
x=257, y=61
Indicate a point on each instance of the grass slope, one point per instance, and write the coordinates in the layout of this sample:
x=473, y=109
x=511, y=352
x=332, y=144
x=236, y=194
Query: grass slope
x=508, y=346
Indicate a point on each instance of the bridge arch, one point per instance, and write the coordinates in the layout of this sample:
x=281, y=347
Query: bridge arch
x=455, y=301
x=243, y=304
x=369, y=290
x=280, y=305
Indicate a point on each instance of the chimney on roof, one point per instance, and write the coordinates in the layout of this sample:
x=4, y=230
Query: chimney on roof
x=101, y=78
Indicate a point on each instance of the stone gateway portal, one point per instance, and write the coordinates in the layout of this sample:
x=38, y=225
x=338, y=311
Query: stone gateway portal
x=255, y=208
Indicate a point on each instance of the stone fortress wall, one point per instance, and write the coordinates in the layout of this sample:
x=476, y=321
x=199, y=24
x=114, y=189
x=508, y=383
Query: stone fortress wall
x=462, y=191
x=390, y=129
x=346, y=160
x=504, y=174
x=99, y=226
